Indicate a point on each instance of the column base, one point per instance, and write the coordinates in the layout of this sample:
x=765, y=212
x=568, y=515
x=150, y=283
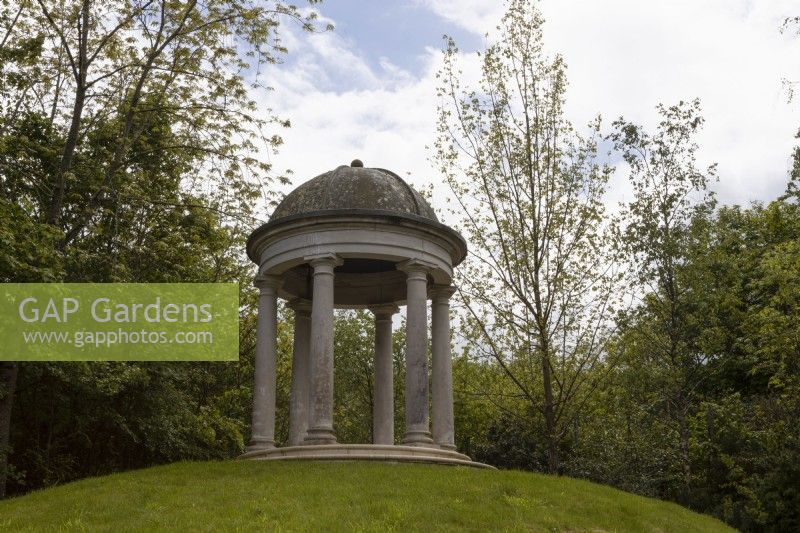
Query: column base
x=260, y=443
x=299, y=441
x=417, y=438
x=365, y=452
x=320, y=436
x=446, y=446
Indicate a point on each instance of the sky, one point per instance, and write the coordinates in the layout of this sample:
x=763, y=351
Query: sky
x=367, y=89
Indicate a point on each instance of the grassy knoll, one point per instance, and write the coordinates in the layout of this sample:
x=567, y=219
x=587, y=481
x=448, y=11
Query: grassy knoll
x=297, y=496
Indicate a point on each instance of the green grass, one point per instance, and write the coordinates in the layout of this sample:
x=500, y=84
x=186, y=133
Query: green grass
x=295, y=496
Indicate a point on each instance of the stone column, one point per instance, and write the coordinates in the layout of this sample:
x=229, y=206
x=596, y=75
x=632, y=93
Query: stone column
x=417, y=423
x=383, y=396
x=442, y=386
x=298, y=404
x=263, y=424
x=320, y=422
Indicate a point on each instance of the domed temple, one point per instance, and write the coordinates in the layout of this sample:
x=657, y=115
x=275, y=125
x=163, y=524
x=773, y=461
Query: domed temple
x=356, y=238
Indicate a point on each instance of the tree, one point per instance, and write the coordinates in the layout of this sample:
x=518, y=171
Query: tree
x=752, y=453
x=793, y=187
x=539, y=286
x=739, y=279
x=664, y=222
x=118, y=116
x=353, y=350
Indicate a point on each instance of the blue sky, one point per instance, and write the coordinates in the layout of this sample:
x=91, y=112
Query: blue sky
x=367, y=89
x=395, y=29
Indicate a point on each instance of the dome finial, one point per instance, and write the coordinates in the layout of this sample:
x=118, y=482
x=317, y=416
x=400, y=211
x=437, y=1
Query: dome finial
x=356, y=163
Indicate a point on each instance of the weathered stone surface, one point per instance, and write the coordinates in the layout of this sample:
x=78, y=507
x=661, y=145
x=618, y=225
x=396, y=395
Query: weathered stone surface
x=417, y=422
x=320, y=424
x=361, y=238
x=263, y=434
x=366, y=452
x=442, y=380
x=355, y=187
x=300, y=396
x=383, y=403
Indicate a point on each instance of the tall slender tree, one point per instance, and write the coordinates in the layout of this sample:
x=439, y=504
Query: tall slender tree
x=663, y=225
x=539, y=286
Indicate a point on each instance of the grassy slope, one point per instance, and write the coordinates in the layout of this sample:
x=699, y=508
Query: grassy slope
x=340, y=496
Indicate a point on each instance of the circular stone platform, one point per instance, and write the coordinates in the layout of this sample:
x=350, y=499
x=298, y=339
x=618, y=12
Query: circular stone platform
x=365, y=452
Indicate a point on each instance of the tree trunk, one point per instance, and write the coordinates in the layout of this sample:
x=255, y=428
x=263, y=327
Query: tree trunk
x=59, y=190
x=54, y=211
x=8, y=383
x=550, y=416
x=683, y=430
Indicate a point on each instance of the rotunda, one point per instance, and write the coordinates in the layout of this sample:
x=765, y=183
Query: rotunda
x=356, y=238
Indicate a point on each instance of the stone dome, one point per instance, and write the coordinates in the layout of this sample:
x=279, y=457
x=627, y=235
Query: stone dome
x=355, y=187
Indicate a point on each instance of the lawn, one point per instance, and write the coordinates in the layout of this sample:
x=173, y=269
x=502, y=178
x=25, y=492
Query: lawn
x=296, y=496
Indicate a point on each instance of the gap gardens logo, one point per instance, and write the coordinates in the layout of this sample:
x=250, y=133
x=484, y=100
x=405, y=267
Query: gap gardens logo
x=119, y=322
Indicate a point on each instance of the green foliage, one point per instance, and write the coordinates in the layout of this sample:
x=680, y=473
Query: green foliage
x=354, y=374
x=538, y=287
x=700, y=402
x=740, y=440
x=130, y=151
x=660, y=230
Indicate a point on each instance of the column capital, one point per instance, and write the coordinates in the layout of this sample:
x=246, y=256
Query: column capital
x=441, y=293
x=384, y=311
x=264, y=282
x=415, y=268
x=300, y=305
x=326, y=259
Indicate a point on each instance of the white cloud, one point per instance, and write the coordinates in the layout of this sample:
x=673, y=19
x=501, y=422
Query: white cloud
x=477, y=16
x=386, y=117
x=624, y=56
